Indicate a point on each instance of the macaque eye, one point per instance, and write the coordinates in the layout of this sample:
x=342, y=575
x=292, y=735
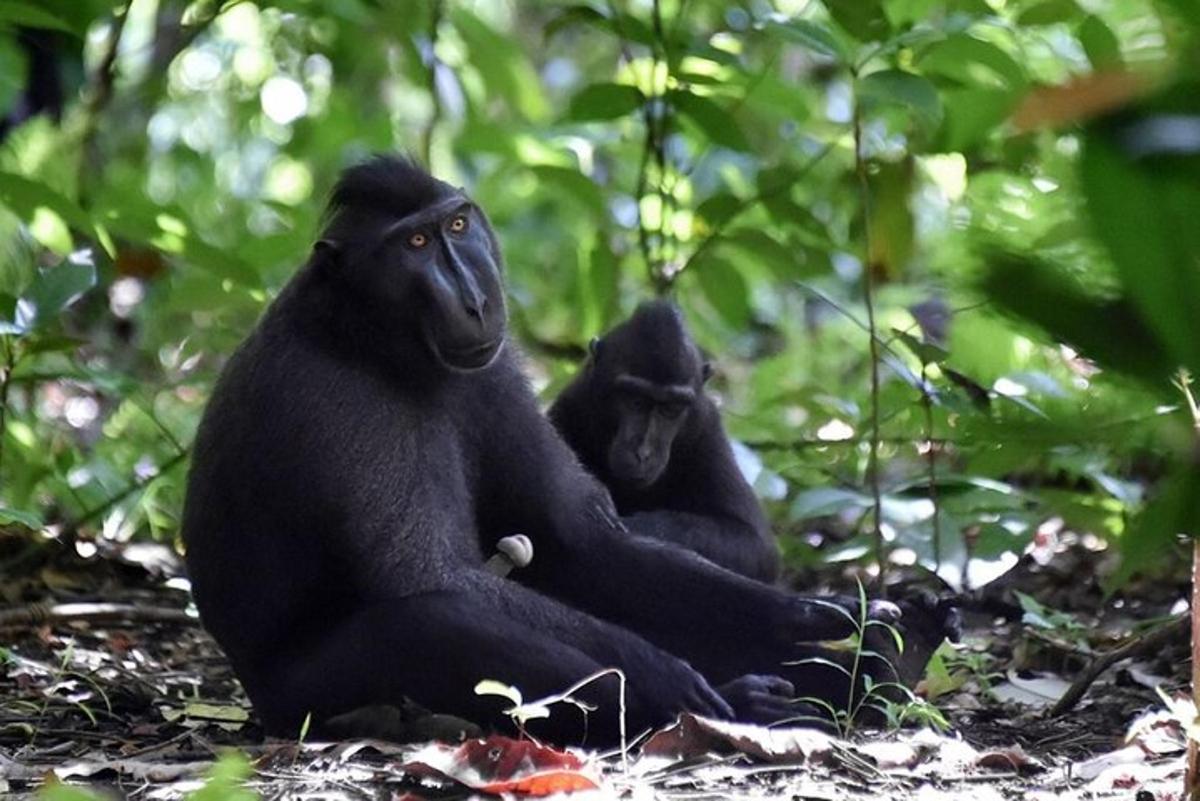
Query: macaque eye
x=673, y=411
x=418, y=240
x=458, y=224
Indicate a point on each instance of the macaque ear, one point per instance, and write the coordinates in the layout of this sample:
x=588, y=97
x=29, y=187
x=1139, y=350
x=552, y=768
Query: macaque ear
x=706, y=371
x=327, y=252
x=594, y=348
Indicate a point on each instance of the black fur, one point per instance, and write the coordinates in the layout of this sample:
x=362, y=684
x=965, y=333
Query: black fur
x=700, y=501
x=348, y=481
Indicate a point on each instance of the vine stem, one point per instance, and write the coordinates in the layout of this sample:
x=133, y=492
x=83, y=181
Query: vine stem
x=1183, y=382
x=860, y=168
x=435, y=114
x=6, y=369
x=931, y=456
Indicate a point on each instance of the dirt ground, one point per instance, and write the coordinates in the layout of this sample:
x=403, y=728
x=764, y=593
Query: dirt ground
x=122, y=692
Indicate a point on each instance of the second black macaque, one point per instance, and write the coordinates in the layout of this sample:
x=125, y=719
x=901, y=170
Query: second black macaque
x=639, y=420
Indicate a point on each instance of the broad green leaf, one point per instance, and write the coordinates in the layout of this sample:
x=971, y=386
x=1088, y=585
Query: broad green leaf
x=973, y=62
x=50, y=343
x=907, y=12
x=1155, y=532
x=972, y=115
x=725, y=288
x=218, y=261
x=1144, y=205
x=54, y=289
x=862, y=19
x=760, y=247
x=904, y=89
x=605, y=101
x=718, y=209
x=16, y=13
x=599, y=287
x=225, y=780
x=822, y=501
x=28, y=519
x=572, y=16
x=716, y=123
x=1050, y=12
x=1100, y=43
x=574, y=185
x=1187, y=11
x=1040, y=294
x=813, y=36
x=926, y=352
x=502, y=64
x=892, y=226
x=13, y=72
x=25, y=197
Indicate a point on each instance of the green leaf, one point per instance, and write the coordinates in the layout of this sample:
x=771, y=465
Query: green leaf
x=904, y=89
x=219, y=261
x=1187, y=11
x=716, y=123
x=1153, y=534
x=25, y=197
x=13, y=72
x=54, y=290
x=1050, y=12
x=823, y=501
x=1144, y=207
x=19, y=14
x=1041, y=295
x=892, y=225
x=605, y=101
x=1100, y=44
x=862, y=19
x=66, y=792
x=502, y=64
x=598, y=290
x=908, y=12
x=718, y=209
x=574, y=185
x=725, y=288
x=973, y=62
x=572, y=16
x=50, y=343
x=926, y=352
x=813, y=36
x=25, y=518
x=761, y=247
x=972, y=115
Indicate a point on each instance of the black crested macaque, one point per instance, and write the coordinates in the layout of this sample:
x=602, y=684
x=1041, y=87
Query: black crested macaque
x=374, y=438
x=639, y=420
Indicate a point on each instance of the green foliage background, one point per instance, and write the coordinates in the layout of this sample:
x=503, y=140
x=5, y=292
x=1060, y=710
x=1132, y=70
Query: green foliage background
x=770, y=165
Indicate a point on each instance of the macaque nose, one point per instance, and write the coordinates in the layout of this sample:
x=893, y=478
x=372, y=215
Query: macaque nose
x=476, y=304
x=643, y=453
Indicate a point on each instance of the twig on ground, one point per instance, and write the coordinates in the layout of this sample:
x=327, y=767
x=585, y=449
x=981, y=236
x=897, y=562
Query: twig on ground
x=1176, y=629
x=38, y=614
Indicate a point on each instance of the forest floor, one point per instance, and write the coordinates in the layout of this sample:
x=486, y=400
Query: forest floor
x=123, y=693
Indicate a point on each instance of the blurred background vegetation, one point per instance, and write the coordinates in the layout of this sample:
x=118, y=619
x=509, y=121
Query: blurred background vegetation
x=943, y=252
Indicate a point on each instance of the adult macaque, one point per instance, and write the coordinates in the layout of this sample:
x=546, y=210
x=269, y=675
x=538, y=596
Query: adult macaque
x=365, y=450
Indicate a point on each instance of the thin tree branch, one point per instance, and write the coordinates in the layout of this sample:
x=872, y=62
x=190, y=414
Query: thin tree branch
x=868, y=267
x=1172, y=631
x=436, y=113
x=6, y=369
